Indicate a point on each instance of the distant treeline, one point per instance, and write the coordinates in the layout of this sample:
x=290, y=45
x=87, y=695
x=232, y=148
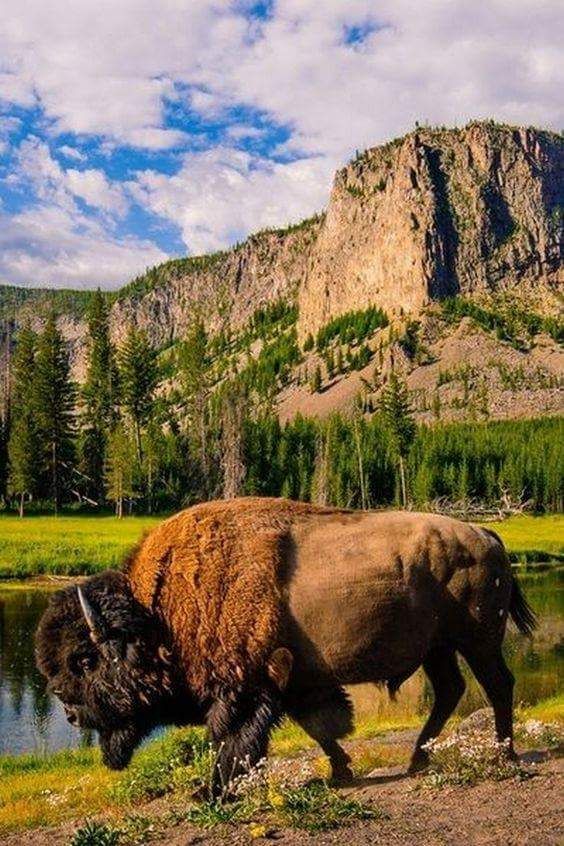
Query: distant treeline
x=153, y=432
x=333, y=460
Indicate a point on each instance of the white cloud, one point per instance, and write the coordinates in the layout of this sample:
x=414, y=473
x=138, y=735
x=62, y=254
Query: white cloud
x=48, y=246
x=52, y=183
x=445, y=62
x=71, y=153
x=8, y=125
x=104, y=67
x=53, y=242
x=109, y=68
x=115, y=69
x=220, y=195
x=93, y=187
x=238, y=131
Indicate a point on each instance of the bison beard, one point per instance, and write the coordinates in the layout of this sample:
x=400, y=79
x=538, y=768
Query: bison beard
x=119, y=745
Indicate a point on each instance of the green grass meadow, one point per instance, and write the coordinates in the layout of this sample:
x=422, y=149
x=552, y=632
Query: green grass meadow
x=81, y=544
x=66, y=545
x=530, y=538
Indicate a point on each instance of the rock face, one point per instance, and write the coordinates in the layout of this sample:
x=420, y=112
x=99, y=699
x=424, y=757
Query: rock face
x=436, y=213
x=226, y=290
x=429, y=215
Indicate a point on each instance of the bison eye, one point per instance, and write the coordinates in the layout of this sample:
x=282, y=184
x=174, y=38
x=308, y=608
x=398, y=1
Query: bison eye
x=81, y=664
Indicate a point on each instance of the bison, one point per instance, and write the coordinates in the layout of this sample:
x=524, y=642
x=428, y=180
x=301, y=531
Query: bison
x=235, y=613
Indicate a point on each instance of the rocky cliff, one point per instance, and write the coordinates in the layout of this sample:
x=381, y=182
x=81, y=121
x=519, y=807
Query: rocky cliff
x=433, y=214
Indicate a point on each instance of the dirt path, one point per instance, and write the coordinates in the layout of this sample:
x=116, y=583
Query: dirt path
x=509, y=813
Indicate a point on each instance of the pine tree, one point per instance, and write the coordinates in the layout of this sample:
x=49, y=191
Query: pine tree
x=234, y=408
x=398, y=416
x=119, y=468
x=330, y=362
x=23, y=444
x=154, y=447
x=316, y=381
x=138, y=379
x=194, y=362
x=54, y=402
x=340, y=361
x=99, y=397
x=436, y=404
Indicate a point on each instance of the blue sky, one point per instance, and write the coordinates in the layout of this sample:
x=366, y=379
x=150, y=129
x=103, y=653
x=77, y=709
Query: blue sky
x=128, y=136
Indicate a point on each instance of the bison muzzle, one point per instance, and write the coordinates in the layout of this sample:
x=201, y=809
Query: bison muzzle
x=235, y=613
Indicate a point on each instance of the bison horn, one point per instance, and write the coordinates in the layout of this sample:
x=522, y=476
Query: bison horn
x=164, y=654
x=92, y=618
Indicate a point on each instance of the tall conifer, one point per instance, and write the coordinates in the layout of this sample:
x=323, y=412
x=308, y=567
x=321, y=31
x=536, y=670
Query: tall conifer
x=23, y=444
x=194, y=361
x=54, y=406
x=398, y=416
x=99, y=396
x=138, y=378
x=119, y=468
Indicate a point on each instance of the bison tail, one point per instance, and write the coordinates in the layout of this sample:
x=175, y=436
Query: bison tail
x=520, y=610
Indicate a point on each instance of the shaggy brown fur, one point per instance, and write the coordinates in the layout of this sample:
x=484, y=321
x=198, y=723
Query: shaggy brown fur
x=215, y=574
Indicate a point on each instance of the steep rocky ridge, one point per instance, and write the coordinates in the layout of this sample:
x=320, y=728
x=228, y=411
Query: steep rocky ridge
x=436, y=213
x=225, y=289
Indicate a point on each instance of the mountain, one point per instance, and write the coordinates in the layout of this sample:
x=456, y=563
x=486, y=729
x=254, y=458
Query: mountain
x=435, y=214
x=474, y=213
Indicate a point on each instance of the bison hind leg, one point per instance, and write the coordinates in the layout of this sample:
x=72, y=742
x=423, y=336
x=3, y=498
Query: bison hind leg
x=442, y=670
x=493, y=674
x=326, y=714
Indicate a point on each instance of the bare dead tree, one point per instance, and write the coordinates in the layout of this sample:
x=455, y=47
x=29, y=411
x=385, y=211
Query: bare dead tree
x=475, y=509
x=232, y=457
x=320, y=482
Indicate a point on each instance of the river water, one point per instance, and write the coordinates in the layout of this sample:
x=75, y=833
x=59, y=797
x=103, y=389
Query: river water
x=33, y=721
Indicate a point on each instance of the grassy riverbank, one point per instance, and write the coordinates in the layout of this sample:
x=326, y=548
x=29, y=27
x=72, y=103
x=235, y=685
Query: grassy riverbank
x=530, y=538
x=66, y=545
x=81, y=545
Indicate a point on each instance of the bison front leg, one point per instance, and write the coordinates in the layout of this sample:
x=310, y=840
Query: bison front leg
x=240, y=728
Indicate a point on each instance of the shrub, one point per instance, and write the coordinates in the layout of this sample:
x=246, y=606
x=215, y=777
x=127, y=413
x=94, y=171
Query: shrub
x=96, y=834
x=308, y=343
x=539, y=733
x=263, y=802
x=466, y=759
x=351, y=327
x=316, y=807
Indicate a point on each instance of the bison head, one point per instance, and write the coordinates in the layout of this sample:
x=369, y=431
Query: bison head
x=106, y=658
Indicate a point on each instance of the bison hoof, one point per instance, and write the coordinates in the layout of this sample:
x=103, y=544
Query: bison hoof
x=418, y=763
x=342, y=776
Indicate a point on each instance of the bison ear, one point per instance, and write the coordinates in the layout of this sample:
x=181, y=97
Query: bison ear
x=93, y=618
x=280, y=666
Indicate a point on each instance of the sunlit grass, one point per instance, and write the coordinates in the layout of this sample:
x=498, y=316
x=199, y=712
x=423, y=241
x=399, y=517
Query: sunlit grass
x=66, y=545
x=36, y=791
x=532, y=538
x=548, y=710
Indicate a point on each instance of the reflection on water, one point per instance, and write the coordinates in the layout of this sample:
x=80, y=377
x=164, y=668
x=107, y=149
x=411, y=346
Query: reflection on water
x=31, y=720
